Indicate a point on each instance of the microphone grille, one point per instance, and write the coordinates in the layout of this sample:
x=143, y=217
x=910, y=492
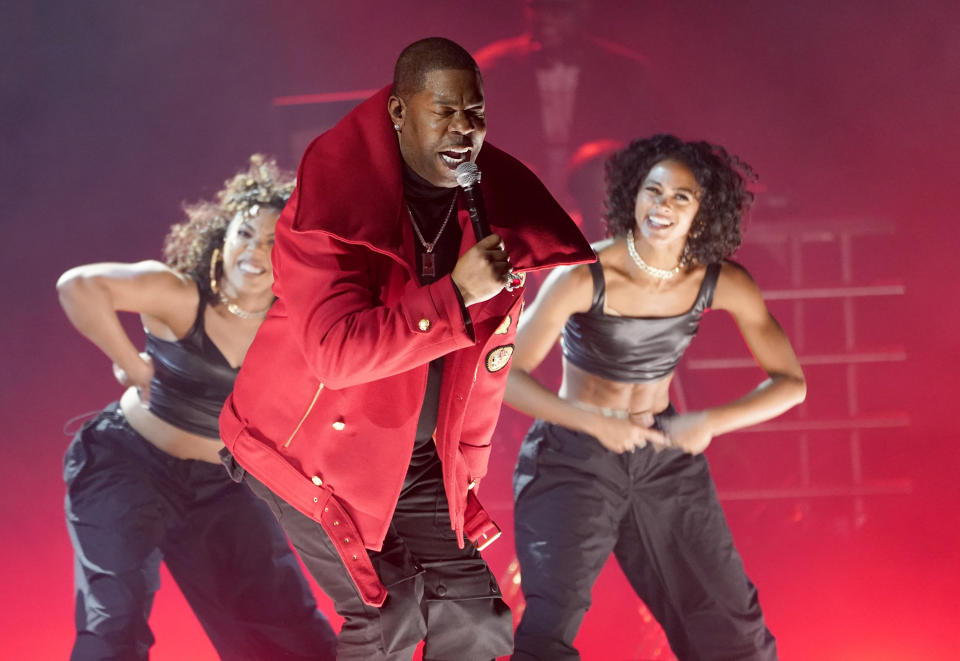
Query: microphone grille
x=468, y=174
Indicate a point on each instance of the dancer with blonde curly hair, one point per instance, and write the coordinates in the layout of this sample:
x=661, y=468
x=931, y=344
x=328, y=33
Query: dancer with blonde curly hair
x=144, y=479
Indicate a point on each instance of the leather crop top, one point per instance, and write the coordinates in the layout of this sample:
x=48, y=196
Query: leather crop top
x=632, y=349
x=191, y=380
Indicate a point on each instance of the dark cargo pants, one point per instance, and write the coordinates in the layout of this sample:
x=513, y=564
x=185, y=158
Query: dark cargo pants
x=658, y=513
x=437, y=592
x=129, y=506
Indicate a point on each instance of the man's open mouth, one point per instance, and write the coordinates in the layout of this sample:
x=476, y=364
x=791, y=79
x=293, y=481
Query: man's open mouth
x=454, y=157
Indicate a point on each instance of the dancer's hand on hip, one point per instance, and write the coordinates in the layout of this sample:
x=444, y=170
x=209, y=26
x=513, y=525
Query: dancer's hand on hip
x=139, y=376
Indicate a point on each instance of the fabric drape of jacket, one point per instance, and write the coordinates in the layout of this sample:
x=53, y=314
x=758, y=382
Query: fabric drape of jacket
x=325, y=408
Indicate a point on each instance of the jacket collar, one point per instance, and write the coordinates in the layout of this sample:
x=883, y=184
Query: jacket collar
x=349, y=185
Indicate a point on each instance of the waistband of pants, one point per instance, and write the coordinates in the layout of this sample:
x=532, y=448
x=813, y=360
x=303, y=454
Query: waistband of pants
x=623, y=414
x=112, y=419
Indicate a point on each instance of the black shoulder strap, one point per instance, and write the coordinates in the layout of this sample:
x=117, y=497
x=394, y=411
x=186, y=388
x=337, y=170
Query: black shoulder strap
x=709, y=286
x=198, y=322
x=599, y=287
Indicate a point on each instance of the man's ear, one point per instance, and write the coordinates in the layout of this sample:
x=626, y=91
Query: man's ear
x=396, y=108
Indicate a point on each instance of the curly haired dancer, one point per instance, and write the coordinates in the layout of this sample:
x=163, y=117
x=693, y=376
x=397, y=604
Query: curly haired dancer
x=144, y=480
x=593, y=477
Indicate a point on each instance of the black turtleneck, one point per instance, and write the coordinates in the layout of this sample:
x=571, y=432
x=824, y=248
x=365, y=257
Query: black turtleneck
x=429, y=205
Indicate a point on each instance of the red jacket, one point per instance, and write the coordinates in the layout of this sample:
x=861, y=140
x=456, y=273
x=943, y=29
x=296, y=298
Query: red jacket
x=325, y=408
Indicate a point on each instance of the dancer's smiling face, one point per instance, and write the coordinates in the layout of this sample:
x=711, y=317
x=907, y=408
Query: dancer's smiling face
x=667, y=202
x=247, y=247
x=441, y=125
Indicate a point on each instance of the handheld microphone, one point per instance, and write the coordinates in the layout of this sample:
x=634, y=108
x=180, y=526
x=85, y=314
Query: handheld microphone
x=468, y=176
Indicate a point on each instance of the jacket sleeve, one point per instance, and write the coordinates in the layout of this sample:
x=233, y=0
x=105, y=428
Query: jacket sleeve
x=348, y=336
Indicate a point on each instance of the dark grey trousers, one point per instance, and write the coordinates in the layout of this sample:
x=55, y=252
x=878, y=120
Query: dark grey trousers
x=437, y=592
x=658, y=513
x=129, y=506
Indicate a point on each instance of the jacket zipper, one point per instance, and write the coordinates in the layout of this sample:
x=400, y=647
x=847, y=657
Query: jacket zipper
x=313, y=402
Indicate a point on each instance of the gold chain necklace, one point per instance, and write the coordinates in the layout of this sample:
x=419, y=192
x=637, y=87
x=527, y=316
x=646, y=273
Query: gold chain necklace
x=239, y=311
x=660, y=274
x=429, y=267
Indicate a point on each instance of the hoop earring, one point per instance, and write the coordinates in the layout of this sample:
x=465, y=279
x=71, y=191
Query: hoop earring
x=696, y=229
x=214, y=262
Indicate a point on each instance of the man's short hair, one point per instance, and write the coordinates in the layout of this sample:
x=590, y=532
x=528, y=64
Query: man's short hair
x=421, y=57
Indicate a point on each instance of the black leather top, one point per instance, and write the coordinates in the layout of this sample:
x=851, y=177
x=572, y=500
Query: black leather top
x=191, y=380
x=632, y=349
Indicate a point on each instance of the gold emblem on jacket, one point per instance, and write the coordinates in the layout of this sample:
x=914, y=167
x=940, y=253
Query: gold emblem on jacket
x=498, y=357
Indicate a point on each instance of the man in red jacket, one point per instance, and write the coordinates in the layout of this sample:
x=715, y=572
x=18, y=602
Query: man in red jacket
x=365, y=406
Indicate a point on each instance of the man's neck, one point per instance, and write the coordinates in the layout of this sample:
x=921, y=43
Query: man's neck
x=418, y=189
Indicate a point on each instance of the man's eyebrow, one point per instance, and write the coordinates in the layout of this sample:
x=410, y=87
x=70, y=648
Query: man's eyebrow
x=449, y=103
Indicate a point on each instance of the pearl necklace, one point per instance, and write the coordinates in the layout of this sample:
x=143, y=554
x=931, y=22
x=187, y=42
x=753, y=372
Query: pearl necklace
x=660, y=274
x=240, y=312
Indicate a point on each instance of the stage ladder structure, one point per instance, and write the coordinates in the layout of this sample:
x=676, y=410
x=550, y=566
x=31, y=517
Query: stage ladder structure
x=789, y=241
